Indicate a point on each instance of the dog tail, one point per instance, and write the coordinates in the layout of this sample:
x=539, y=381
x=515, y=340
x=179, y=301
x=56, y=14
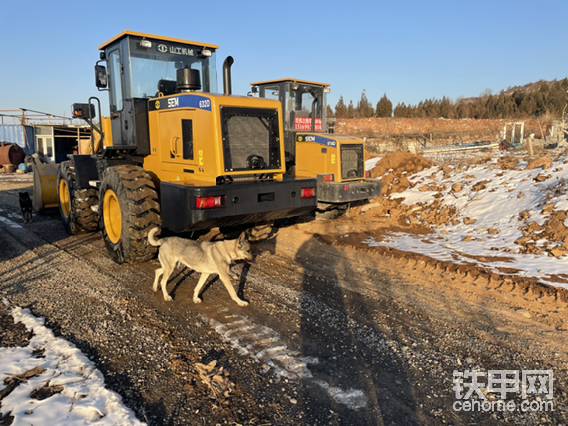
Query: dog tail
x=152, y=237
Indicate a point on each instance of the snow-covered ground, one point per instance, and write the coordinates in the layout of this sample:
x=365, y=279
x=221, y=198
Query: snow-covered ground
x=496, y=210
x=83, y=398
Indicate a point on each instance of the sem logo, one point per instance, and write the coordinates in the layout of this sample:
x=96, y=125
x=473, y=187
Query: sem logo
x=173, y=102
x=157, y=104
x=162, y=48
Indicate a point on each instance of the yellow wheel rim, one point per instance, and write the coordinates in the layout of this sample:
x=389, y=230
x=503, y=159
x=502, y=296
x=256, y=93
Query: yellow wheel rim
x=64, y=197
x=112, y=216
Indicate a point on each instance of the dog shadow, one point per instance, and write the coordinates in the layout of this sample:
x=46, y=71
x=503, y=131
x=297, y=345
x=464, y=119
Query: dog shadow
x=184, y=274
x=181, y=276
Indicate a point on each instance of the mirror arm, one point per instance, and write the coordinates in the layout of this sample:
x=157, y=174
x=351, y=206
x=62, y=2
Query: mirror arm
x=90, y=122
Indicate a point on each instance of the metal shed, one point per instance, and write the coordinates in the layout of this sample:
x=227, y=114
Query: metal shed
x=51, y=136
x=23, y=136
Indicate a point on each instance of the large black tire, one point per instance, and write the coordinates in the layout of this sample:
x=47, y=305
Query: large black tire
x=77, y=213
x=132, y=190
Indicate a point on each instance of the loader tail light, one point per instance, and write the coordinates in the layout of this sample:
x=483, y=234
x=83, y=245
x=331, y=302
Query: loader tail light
x=368, y=174
x=209, y=202
x=329, y=178
x=306, y=193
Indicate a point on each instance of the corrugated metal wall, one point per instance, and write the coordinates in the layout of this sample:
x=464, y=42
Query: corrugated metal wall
x=14, y=133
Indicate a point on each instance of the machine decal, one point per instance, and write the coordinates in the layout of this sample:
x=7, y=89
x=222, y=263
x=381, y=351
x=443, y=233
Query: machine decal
x=175, y=50
x=182, y=101
x=317, y=139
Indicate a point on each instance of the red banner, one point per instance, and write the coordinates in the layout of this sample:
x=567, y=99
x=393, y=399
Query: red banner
x=305, y=124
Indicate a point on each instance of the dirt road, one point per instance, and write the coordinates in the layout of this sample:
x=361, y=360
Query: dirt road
x=332, y=335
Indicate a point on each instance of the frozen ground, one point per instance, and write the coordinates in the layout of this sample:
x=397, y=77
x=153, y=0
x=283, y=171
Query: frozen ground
x=349, y=321
x=510, y=199
x=68, y=390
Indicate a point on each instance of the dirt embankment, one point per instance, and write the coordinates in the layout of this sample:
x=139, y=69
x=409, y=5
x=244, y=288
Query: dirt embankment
x=429, y=131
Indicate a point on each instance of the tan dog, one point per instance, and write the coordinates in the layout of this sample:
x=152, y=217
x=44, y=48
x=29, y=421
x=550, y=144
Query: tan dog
x=208, y=258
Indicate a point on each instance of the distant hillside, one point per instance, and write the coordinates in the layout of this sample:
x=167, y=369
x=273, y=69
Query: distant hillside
x=541, y=98
x=533, y=100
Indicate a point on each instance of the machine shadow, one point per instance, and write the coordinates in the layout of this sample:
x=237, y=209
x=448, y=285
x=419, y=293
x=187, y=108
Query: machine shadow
x=347, y=360
x=17, y=236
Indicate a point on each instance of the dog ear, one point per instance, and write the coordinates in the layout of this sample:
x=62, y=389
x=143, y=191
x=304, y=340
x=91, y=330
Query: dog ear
x=243, y=237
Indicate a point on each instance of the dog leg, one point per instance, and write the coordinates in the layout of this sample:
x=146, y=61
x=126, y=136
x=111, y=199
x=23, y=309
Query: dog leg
x=159, y=273
x=226, y=280
x=200, y=284
x=166, y=275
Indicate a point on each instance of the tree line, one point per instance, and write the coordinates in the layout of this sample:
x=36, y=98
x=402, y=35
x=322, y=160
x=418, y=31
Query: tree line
x=531, y=100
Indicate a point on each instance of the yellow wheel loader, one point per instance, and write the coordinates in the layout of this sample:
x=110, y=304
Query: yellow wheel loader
x=174, y=153
x=337, y=162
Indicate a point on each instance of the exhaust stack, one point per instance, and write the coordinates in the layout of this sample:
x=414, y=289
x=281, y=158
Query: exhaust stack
x=227, y=85
x=314, y=110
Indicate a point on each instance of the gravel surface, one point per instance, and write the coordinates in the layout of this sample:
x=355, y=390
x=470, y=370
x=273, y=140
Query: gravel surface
x=329, y=337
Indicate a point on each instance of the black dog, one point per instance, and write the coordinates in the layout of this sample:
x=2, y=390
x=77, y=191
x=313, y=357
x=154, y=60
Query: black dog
x=26, y=206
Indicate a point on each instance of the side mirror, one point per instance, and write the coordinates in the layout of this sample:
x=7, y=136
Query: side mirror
x=84, y=111
x=101, y=78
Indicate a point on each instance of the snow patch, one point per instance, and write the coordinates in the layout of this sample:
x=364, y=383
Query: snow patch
x=371, y=163
x=498, y=206
x=10, y=223
x=266, y=345
x=84, y=398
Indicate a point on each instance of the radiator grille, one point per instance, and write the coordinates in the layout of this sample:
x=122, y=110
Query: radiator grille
x=250, y=139
x=352, y=164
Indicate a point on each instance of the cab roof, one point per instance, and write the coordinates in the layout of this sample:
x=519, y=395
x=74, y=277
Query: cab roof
x=155, y=37
x=290, y=80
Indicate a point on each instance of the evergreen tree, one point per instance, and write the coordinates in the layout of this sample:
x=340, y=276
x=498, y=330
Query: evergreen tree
x=328, y=111
x=350, y=110
x=341, y=108
x=384, y=107
x=364, y=108
x=401, y=110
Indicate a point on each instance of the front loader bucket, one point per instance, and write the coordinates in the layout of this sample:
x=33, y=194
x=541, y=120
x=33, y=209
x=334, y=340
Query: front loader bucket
x=45, y=185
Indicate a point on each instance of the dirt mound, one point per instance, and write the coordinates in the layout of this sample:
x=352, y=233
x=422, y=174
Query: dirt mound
x=540, y=163
x=508, y=163
x=400, y=162
x=553, y=235
x=415, y=217
x=394, y=168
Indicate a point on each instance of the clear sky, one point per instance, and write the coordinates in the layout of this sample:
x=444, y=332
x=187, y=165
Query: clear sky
x=410, y=50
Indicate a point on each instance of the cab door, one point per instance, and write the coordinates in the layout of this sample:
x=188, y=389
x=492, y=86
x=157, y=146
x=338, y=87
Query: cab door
x=115, y=75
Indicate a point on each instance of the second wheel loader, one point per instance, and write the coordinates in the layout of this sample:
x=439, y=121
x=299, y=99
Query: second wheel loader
x=337, y=162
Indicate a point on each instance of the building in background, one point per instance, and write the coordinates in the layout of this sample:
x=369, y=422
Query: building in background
x=51, y=136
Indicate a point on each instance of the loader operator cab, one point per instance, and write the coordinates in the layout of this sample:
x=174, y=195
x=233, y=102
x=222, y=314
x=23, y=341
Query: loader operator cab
x=139, y=67
x=174, y=152
x=303, y=107
x=144, y=68
x=338, y=162
x=302, y=101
